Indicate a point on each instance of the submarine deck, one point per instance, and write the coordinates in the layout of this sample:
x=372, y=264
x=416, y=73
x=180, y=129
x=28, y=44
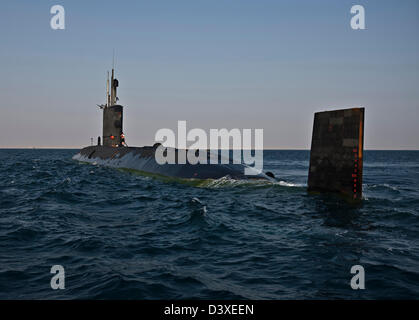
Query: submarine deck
x=143, y=159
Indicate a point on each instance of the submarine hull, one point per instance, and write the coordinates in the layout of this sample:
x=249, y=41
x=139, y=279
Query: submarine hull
x=143, y=159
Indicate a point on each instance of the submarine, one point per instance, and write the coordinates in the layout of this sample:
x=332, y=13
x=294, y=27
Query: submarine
x=113, y=151
x=335, y=164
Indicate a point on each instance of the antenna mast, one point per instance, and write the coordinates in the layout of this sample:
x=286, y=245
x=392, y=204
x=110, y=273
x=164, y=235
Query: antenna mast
x=114, y=82
x=107, y=91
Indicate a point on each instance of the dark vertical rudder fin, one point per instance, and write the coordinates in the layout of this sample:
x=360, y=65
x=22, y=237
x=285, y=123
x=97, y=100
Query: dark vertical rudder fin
x=336, y=156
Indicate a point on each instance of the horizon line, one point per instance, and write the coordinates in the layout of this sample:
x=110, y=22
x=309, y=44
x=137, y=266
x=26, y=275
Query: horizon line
x=267, y=149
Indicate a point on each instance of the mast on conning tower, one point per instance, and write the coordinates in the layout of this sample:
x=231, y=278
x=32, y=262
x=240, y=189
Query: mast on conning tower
x=112, y=97
x=114, y=85
x=108, y=98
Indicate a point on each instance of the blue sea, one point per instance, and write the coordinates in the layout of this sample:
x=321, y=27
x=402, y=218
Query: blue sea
x=121, y=235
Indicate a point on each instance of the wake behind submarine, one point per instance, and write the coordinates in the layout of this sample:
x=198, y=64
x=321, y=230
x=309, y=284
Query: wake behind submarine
x=336, y=155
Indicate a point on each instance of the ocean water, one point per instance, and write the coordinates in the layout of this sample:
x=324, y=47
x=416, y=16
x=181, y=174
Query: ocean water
x=120, y=235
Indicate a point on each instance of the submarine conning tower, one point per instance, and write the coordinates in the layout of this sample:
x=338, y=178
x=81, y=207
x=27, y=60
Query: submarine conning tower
x=112, y=115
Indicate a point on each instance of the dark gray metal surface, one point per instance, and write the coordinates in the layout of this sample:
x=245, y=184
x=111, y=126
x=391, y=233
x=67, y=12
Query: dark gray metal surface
x=112, y=125
x=143, y=159
x=337, y=152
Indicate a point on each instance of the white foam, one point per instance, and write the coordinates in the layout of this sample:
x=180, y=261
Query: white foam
x=227, y=181
x=290, y=184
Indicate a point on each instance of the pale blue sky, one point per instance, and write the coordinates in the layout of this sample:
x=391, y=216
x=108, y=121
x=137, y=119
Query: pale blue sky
x=234, y=64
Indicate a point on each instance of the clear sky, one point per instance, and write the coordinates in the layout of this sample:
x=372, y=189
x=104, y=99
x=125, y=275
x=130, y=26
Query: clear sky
x=233, y=64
